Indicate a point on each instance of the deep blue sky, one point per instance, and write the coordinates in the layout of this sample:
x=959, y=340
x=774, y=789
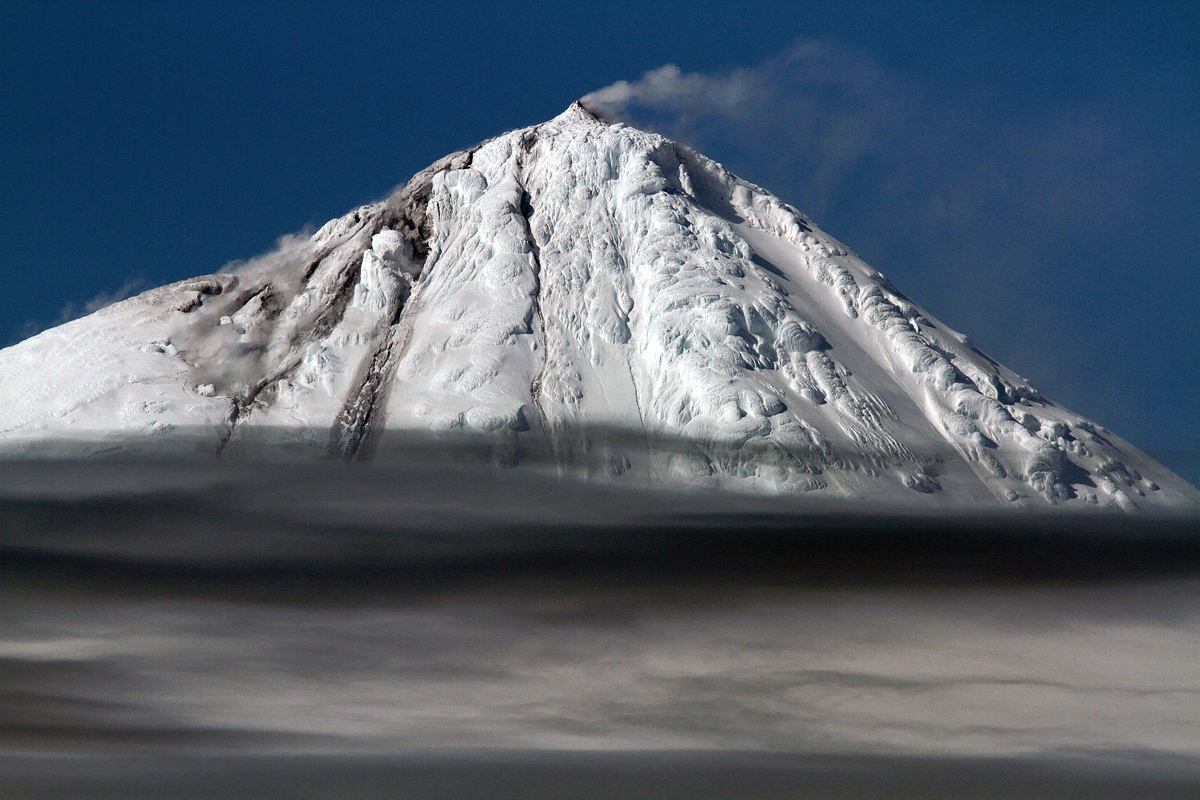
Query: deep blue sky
x=1028, y=172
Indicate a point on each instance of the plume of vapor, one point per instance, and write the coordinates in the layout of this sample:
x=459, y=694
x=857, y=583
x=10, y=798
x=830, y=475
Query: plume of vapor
x=814, y=112
x=996, y=215
x=72, y=310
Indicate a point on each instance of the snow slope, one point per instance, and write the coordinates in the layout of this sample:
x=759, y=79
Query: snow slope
x=584, y=294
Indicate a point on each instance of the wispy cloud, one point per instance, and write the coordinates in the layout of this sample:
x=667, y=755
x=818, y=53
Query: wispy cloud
x=102, y=300
x=814, y=112
x=821, y=120
x=73, y=310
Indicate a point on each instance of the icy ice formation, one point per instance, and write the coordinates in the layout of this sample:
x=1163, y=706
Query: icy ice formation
x=584, y=294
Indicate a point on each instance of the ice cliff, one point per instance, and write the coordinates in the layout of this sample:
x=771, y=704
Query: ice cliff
x=584, y=295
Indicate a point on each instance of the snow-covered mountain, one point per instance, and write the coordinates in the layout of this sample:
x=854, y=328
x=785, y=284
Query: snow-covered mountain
x=584, y=294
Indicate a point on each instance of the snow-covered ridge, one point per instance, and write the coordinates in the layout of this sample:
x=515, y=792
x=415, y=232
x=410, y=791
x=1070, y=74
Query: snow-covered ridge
x=587, y=294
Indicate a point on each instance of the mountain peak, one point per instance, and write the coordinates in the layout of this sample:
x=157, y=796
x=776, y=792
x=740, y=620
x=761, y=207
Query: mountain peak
x=579, y=112
x=582, y=294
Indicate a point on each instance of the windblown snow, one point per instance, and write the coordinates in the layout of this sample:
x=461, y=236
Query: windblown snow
x=584, y=294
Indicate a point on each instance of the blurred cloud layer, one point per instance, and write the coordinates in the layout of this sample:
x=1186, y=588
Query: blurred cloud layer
x=979, y=672
x=361, y=609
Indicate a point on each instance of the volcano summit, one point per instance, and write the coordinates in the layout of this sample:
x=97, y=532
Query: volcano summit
x=582, y=294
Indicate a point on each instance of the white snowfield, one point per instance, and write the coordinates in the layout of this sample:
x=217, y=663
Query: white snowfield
x=582, y=294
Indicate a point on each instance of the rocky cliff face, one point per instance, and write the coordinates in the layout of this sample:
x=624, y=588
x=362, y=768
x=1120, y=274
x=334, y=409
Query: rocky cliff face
x=583, y=294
